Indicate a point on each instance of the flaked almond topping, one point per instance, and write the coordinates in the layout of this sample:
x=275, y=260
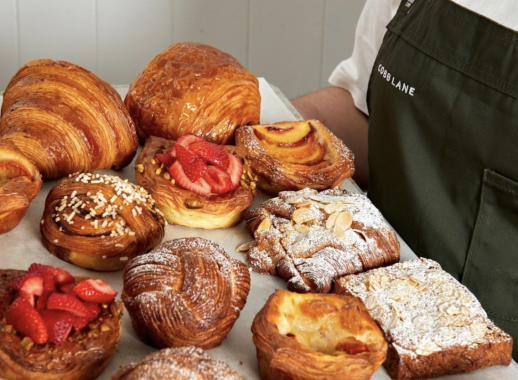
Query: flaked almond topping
x=264, y=225
x=303, y=215
x=302, y=228
x=330, y=222
x=247, y=246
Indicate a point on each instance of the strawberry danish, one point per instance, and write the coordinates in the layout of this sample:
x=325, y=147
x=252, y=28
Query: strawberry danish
x=196, y=183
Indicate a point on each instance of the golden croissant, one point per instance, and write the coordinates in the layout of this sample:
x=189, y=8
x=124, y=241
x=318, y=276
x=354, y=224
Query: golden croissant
x=66, y=120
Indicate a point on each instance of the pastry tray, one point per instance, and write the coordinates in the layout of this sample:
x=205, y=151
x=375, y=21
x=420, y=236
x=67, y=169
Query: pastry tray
x=23, y=246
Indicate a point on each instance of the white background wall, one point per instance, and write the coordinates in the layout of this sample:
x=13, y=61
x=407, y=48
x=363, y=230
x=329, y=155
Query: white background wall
x=294, y=44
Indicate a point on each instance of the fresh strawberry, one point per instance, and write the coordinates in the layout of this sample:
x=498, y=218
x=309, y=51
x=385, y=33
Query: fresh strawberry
x=188, y=139
x=218, y=180
x=27, y=321
x=27, y=297
x=213, y=153
x=48, y=288
x=67, y=302
x=61, y=276
x=58, y=323
x=93, y=311
x=235, y=170
x=68, y=288
x=166, y=159
x=30, y=283
x=80, y=322
x=199, y=187
x=95, y=290
x=192, y=166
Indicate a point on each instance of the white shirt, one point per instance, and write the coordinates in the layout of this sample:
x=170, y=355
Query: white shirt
x=353, y=73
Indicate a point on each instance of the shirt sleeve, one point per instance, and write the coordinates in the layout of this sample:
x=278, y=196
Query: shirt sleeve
x=353, y=74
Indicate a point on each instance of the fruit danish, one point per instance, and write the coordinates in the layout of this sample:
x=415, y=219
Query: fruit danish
x=66, y=120
x=20, y=181
x=193, y=88
x=99, y=221
x=186, y=292
x=294, y=155
x=196, y=183
x=54, y=326
x=311, y=238
x=316, y=336
x=182, y=363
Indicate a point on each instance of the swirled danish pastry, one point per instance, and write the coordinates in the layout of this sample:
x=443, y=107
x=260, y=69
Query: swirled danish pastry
x=100, y=222
x=186, y=292
x=293, y=155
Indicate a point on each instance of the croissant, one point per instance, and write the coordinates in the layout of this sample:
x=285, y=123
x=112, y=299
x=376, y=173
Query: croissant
x=20, y=181
x=186, y=292
x=66, y=120
x=310, y=238
x=193, y=88
x=316, y=336
x=293, y=155
x=100, y=222
x=182, y=363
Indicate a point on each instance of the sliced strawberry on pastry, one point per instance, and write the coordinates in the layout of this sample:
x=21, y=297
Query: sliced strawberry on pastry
x=188, y=139
x=213, y=153
x=49, y=287
x=218, y=180
x=193, y=167
x=68, y=302
x=61, y=276
x=95, y=290
x=166, y=158
x=27, y=320
x=235, y=170
x=59, y=324
x=30, y=283
x=199, y=187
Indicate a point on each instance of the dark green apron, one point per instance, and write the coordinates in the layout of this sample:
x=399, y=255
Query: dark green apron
x=443, y=146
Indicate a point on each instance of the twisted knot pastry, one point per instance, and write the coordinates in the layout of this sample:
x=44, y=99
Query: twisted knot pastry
x=294, y=155
x=316, y=336
x=193, y=88
x=186, y=292
x=99, y=222
x=20, y=181
x=182, y=363
x=184, y=207
x=310, y=238
x=66, y=120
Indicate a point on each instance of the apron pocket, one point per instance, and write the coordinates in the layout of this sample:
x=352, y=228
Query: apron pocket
x=491, y=268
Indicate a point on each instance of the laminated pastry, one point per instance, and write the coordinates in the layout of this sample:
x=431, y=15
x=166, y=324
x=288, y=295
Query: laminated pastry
x=434, y=325
x=182, y=363
x=20, y=181
x=56, y=344
x=310, y=238
x=66, y=120
x=293, y=155
x=99, y=221
x=316, y=336
x=186, y=292
x=196, y=204
x=193, y=88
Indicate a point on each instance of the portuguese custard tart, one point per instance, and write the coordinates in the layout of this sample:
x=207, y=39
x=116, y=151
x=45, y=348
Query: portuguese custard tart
x=193, y=88
x=293, y=155
x=316, y=336
x=54, y=326
x=196, y=183
x=20, y=181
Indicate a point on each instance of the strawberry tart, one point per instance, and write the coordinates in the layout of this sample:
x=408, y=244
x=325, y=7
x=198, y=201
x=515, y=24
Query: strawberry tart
x=196, y=183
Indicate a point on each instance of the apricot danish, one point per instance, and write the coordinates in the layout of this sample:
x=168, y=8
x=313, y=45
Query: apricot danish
x=99, y=221
x=186, y=292
x=311, y=238
x=20, y=181
x=293, y=155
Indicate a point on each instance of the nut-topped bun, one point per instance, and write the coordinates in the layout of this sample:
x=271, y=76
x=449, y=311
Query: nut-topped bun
x=293, y=155
x=20, y=181
x=99, y=222
x=316, y=336
x=193, y=88
x=204, y=186
x=182, y=363
x=186, y=292
x=56, y=335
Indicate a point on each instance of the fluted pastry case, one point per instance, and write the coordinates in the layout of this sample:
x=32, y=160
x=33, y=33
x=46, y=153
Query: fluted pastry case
x=23, y=246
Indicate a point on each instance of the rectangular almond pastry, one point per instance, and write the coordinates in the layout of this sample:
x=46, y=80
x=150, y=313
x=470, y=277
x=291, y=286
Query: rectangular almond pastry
x=434, y=325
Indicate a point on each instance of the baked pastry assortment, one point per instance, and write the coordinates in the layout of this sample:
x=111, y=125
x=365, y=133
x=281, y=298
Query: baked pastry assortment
x=196, y=183
x=99, y=221
x=66, y=120
x=433, y=324
x=20, y=181
x=182, y=363
x=193, y=88
x=293, y=155
x=54, y=326
x=311, y=238
x=316, y=336
x=186, y=292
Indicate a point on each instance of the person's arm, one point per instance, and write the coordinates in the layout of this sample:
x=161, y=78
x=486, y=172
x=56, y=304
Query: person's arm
x=335, y=108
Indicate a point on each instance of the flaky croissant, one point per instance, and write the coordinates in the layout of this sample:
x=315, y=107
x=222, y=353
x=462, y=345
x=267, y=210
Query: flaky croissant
x=193, y=88
x=185, y=292
x=20, y=181
x=66, y=120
